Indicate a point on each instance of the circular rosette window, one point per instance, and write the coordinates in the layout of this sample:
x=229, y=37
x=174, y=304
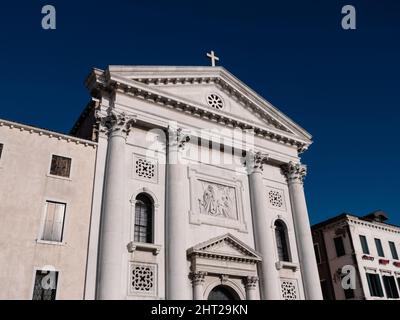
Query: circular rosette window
x=215, y=101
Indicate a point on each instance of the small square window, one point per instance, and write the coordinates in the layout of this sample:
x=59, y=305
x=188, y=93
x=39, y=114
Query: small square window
x=60, y=166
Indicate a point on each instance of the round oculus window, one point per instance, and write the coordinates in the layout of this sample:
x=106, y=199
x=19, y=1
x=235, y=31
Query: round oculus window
x=215, y=101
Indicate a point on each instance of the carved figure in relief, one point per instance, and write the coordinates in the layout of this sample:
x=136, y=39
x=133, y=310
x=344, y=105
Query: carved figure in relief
x=217, y=200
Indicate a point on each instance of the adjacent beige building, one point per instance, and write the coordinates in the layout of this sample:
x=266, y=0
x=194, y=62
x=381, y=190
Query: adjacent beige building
x=46, y=185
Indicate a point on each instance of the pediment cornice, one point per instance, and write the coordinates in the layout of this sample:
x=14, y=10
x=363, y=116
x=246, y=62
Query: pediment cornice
x=240, y=251
x=143, y=84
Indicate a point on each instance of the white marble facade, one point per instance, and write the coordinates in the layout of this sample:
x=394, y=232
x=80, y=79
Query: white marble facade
x=221, y=167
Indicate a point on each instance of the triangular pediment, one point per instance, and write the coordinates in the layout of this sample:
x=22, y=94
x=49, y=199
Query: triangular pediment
x=225, y=246
x=211, y=95
x=195, y=85
x=187, y=90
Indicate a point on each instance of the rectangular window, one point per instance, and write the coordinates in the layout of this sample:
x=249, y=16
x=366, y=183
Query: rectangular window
x=339, y=246
x=317, y=253
x=379, y=247
x=390, y=287
x=45, y=287
x=393, y=250
x=60, y=166
x=364, y=244
x=54, y=221
x=1, y=149
x=374, y=284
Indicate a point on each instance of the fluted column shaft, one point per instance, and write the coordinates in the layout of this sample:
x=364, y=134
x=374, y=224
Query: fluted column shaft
x=295, y=174
x=176, y=261
x=117, y=127
x=263, y=233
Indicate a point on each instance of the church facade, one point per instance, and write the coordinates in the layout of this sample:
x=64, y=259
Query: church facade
x=197, y=189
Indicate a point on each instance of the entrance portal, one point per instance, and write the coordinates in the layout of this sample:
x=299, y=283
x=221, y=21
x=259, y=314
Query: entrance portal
x=223, y=293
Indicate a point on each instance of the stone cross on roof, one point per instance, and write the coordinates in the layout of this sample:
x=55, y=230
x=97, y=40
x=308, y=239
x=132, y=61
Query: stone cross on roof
x=213, y=58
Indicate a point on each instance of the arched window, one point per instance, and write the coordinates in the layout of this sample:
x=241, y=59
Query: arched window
x=143, y=231
x=281, y=240
x=222, y=293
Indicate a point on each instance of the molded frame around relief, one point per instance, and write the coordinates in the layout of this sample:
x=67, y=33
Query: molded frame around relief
x=196, y=175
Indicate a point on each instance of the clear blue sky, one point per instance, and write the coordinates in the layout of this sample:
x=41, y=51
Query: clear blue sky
x=342, y=86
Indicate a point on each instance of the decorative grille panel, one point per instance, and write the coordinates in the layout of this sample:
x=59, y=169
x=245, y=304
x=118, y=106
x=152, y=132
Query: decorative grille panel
x=145, y=169
x=276, y=198
x=289, y=290
x=143, y=279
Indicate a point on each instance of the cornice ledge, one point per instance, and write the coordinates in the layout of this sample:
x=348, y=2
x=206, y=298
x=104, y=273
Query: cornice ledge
x=139, y=90
x=218, y=75
x=223, y=256
x=50, y=134
x=358, y=221
x=238, y=90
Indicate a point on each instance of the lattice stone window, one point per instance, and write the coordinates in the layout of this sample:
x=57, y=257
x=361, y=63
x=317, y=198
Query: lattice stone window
x=215, y=101
x=146, y=169
x=275, y=198
x=143, y=279
x=289, y=290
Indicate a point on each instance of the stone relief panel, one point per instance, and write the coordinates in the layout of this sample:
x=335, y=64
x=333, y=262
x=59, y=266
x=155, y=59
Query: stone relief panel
x=218, y=200
x=143, y=279
x=215, y=200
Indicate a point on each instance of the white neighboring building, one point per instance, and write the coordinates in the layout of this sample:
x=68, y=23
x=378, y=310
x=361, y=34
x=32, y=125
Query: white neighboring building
x=175, y=211
x=370, y=245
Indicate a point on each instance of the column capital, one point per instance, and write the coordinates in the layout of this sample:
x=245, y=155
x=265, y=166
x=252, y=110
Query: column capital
x=294, y=172
x=250, y=282
x=254, y=161
x=198, y=277
x=177, y=138
x=113, y=122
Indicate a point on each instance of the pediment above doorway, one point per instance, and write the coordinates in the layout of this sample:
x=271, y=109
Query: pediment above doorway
x=224, y=261
x=225, y=247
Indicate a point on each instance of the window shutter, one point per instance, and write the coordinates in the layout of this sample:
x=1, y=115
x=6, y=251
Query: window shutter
x=48, y=226
x=58, y=221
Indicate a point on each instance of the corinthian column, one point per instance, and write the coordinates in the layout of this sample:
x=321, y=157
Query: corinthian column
x=117, y=127
x=263, y=233
x=250, y=284
x=198, y=279
x=295, y=173
x=176, y=264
